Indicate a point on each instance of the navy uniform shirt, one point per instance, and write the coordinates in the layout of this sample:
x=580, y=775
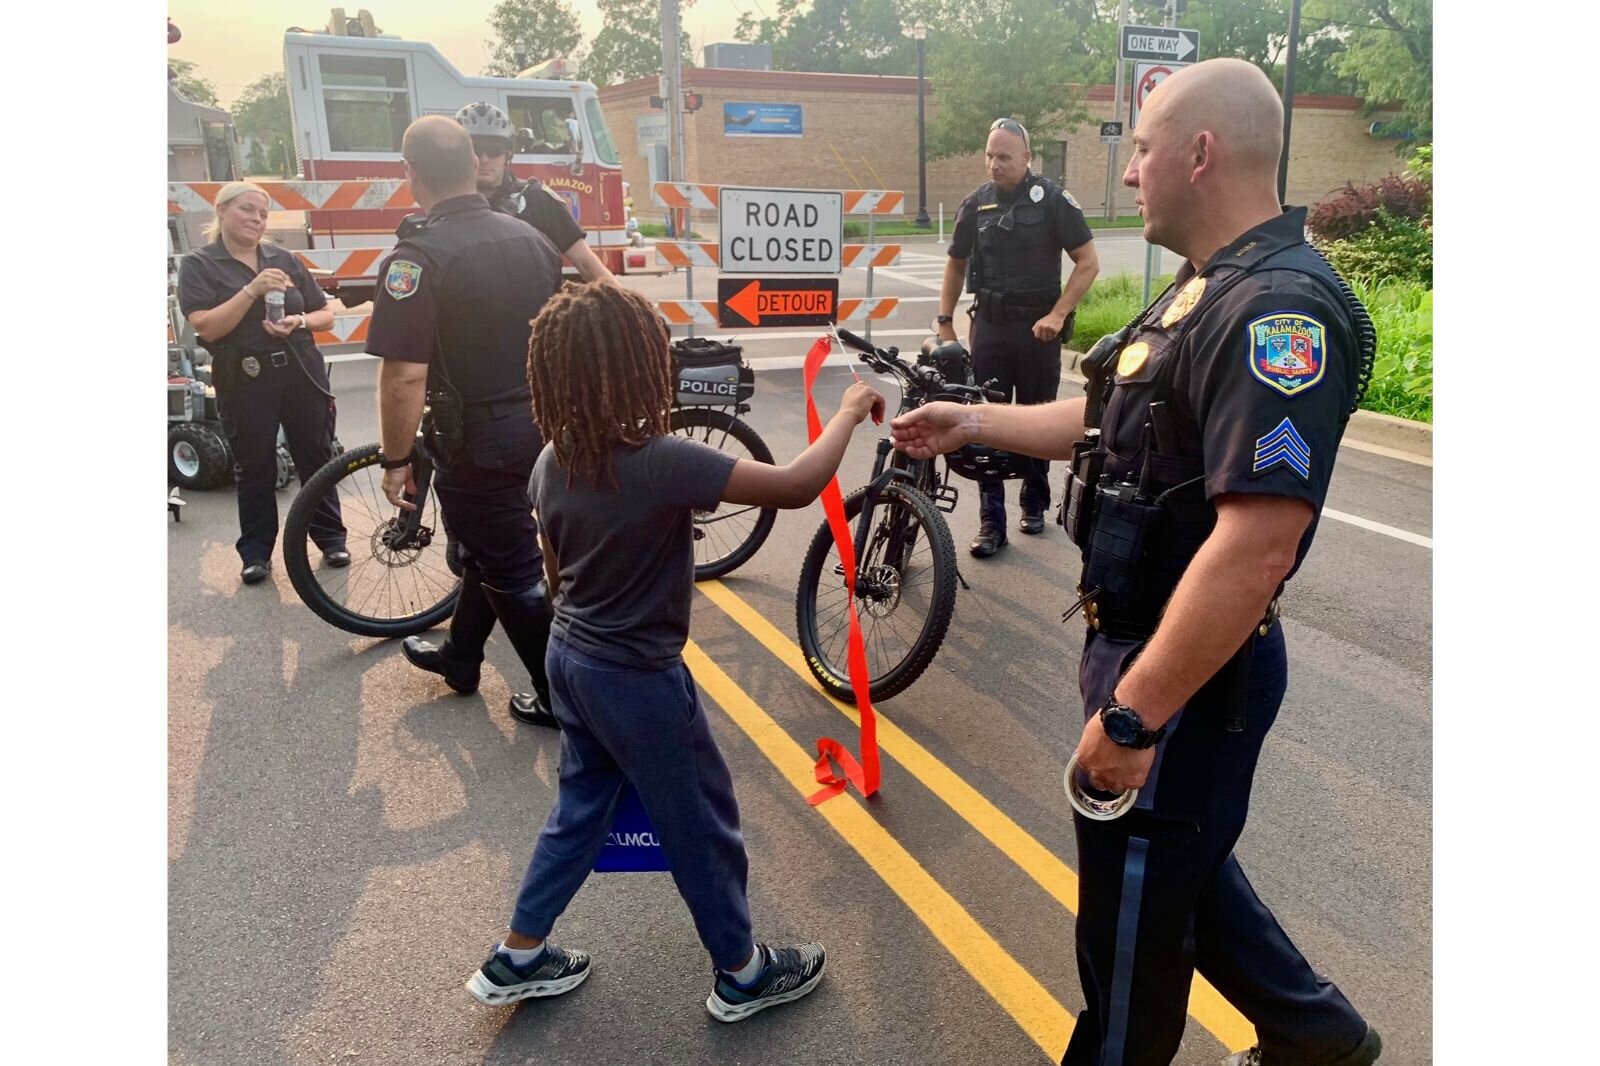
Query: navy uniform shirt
x=466, y=283
x=544, y=210
x=208, y=277
x=1261, y=381
x=1068, y=229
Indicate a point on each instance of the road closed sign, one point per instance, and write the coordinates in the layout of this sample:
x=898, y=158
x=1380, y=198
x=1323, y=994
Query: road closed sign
x=780, y=231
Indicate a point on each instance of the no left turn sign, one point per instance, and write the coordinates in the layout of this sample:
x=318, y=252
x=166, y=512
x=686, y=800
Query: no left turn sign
x=1146, y=76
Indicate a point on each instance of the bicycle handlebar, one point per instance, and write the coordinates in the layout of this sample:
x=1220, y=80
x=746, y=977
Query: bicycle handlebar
x=922, y=379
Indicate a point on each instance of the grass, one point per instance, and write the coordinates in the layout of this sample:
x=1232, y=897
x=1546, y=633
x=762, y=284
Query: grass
x=1402, y=312
x=658, y=231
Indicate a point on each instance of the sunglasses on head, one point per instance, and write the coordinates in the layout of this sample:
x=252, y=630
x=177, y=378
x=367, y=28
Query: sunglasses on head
x=489, y=149
x=1011, y=125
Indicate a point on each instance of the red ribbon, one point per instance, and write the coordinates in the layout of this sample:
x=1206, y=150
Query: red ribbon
x=865, y=773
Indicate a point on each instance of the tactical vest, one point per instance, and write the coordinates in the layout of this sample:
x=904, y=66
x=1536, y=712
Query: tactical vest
x=1017, y=252
x=1150, y=512
x=489, y=280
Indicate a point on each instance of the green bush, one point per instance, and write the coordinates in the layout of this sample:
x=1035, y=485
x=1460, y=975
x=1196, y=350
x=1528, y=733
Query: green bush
x=1402, y=372
x=1392, y=247
x=1109, y=305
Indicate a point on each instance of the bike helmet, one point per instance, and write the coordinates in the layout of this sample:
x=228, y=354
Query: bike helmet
x=485, y=120
x=979, y=462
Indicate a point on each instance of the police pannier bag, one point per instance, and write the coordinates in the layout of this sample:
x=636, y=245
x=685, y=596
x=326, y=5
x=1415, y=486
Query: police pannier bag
x=711, y=374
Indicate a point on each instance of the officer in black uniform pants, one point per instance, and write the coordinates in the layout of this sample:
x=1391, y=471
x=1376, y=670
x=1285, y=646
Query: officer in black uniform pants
x=266, y=374
x=493, y=142
x=1224, y=407
x=450, y=322
x=1007, y=245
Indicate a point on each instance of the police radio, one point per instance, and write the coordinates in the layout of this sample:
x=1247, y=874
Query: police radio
x=1088, y=459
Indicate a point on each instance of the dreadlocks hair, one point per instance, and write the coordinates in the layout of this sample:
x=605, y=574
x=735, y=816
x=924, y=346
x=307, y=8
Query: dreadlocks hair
x=600, y=373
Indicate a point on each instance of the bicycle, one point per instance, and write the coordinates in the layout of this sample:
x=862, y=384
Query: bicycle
x=906, y=570
x=403, y=579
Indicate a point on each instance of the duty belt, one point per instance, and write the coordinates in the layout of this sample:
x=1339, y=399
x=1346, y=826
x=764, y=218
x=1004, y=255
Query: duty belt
x=1132, y=625
x=1000, y=307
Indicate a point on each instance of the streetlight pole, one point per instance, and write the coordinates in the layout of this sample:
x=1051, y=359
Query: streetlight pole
x=920, y=32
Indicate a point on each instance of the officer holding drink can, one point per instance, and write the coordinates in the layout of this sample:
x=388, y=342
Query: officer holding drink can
x=255, y=307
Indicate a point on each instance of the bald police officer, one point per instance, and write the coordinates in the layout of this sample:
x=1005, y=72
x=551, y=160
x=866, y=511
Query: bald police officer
x=1226, y=407
x=450, y=322
x=494, y=143
x=1007, y=245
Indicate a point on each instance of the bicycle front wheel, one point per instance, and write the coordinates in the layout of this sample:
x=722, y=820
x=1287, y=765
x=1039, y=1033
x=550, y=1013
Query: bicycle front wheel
x=905, y=594
x=726, y=538
x=389, y=589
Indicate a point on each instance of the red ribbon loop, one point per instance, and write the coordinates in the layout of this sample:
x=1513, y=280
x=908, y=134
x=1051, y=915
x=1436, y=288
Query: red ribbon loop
x=865, y=774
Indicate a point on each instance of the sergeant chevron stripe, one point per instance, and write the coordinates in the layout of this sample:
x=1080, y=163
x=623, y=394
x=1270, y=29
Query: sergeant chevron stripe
x=185, y=196
x=1283, y=445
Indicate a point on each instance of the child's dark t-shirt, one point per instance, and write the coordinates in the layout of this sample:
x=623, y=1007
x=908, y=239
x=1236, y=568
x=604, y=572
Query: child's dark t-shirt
x=625, y=554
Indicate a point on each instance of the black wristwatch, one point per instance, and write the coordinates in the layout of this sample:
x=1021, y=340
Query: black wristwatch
x=396, y=464
x=942, y=320
x=1124, y=726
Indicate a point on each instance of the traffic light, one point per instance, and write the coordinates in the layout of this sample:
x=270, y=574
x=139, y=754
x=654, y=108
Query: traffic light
x=693, y=101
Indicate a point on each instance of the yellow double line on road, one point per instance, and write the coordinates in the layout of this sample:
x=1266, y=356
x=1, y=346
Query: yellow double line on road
x=1016, y=990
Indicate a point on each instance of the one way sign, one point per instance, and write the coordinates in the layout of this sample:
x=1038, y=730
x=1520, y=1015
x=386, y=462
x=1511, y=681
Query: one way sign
x=1160, y=42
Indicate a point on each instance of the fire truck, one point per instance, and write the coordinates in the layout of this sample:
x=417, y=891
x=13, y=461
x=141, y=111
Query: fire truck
x=353, y=91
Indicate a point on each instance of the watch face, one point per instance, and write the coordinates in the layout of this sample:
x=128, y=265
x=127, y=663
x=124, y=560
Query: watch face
x=1122, y=725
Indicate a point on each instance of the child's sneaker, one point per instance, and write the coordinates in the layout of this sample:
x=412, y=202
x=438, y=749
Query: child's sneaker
x=556, y=970
x=789, y=974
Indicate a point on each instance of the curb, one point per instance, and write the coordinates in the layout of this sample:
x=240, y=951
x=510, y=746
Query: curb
x=1369, y=427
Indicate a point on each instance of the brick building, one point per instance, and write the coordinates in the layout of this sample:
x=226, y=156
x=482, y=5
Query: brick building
x=860, y=132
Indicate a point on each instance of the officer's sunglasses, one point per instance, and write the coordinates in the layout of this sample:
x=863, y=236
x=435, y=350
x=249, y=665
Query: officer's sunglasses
x=489, y=149
x=1011, y=125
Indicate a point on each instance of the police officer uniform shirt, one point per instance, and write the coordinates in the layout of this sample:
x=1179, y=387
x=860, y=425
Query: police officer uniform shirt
x=543, y=209
x=1037, y=218
x=466, y=282
x=209, y=276
x=1262, y=370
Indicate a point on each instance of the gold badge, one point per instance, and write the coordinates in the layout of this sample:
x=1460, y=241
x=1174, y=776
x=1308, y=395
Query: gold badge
x=1133, y=357
x=1183, y=303
x=250, y=365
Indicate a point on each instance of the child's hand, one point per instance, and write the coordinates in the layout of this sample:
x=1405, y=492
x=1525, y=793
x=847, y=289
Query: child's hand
x=860, y=400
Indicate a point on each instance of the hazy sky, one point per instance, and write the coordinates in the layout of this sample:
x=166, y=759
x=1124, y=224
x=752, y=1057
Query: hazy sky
x=234, y=44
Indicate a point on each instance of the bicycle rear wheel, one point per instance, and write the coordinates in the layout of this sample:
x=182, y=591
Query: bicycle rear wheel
x=726, y=538
x=905, y=593
x=385, y=591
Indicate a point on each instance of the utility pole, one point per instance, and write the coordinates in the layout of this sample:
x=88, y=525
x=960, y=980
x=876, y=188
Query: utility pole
x=1116, y=116
x=1288, y=98
x=672, y=96
x=1152, y=257
x=920, y=32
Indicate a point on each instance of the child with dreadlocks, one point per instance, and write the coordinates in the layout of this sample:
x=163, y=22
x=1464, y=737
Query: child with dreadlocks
x=616, y=492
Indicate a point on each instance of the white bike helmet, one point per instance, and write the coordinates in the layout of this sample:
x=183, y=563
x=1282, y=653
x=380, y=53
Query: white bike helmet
x=485, y=120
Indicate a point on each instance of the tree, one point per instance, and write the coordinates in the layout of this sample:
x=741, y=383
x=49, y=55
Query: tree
x=1009, y=59
x=628, y=45
x=842, y=36
x=1388, y=51
x=191, y=84
x=527, y=32
x=262, y=112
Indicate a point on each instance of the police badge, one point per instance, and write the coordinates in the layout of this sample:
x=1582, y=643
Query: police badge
x=250, y=365
x=1183, y=303
x=1036, y=193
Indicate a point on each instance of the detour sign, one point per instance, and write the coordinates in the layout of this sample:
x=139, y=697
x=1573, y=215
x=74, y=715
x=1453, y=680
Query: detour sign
x=747, y=302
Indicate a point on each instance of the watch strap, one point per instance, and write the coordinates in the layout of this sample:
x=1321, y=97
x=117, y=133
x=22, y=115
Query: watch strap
x=396, y=464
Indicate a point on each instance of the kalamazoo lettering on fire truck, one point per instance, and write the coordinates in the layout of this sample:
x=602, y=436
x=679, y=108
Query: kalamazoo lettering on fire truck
x=353, y=91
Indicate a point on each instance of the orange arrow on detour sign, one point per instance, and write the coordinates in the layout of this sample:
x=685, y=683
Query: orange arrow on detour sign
x=746, y=302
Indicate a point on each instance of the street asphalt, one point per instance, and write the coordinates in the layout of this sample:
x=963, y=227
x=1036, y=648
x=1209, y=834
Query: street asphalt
x=346, y=836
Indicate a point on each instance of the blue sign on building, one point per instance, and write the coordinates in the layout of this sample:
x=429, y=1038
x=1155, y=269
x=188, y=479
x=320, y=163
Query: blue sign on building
x=761, y=120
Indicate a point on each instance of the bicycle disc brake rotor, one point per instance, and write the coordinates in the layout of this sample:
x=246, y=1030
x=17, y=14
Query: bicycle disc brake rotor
x=383, y=543
x=880, y=590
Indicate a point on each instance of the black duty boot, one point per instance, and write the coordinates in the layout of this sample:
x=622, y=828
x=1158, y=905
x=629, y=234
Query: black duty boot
x=1032, y=522
x=436, y=659
x=988, y=541
x=528, y=707
x=526, y=616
